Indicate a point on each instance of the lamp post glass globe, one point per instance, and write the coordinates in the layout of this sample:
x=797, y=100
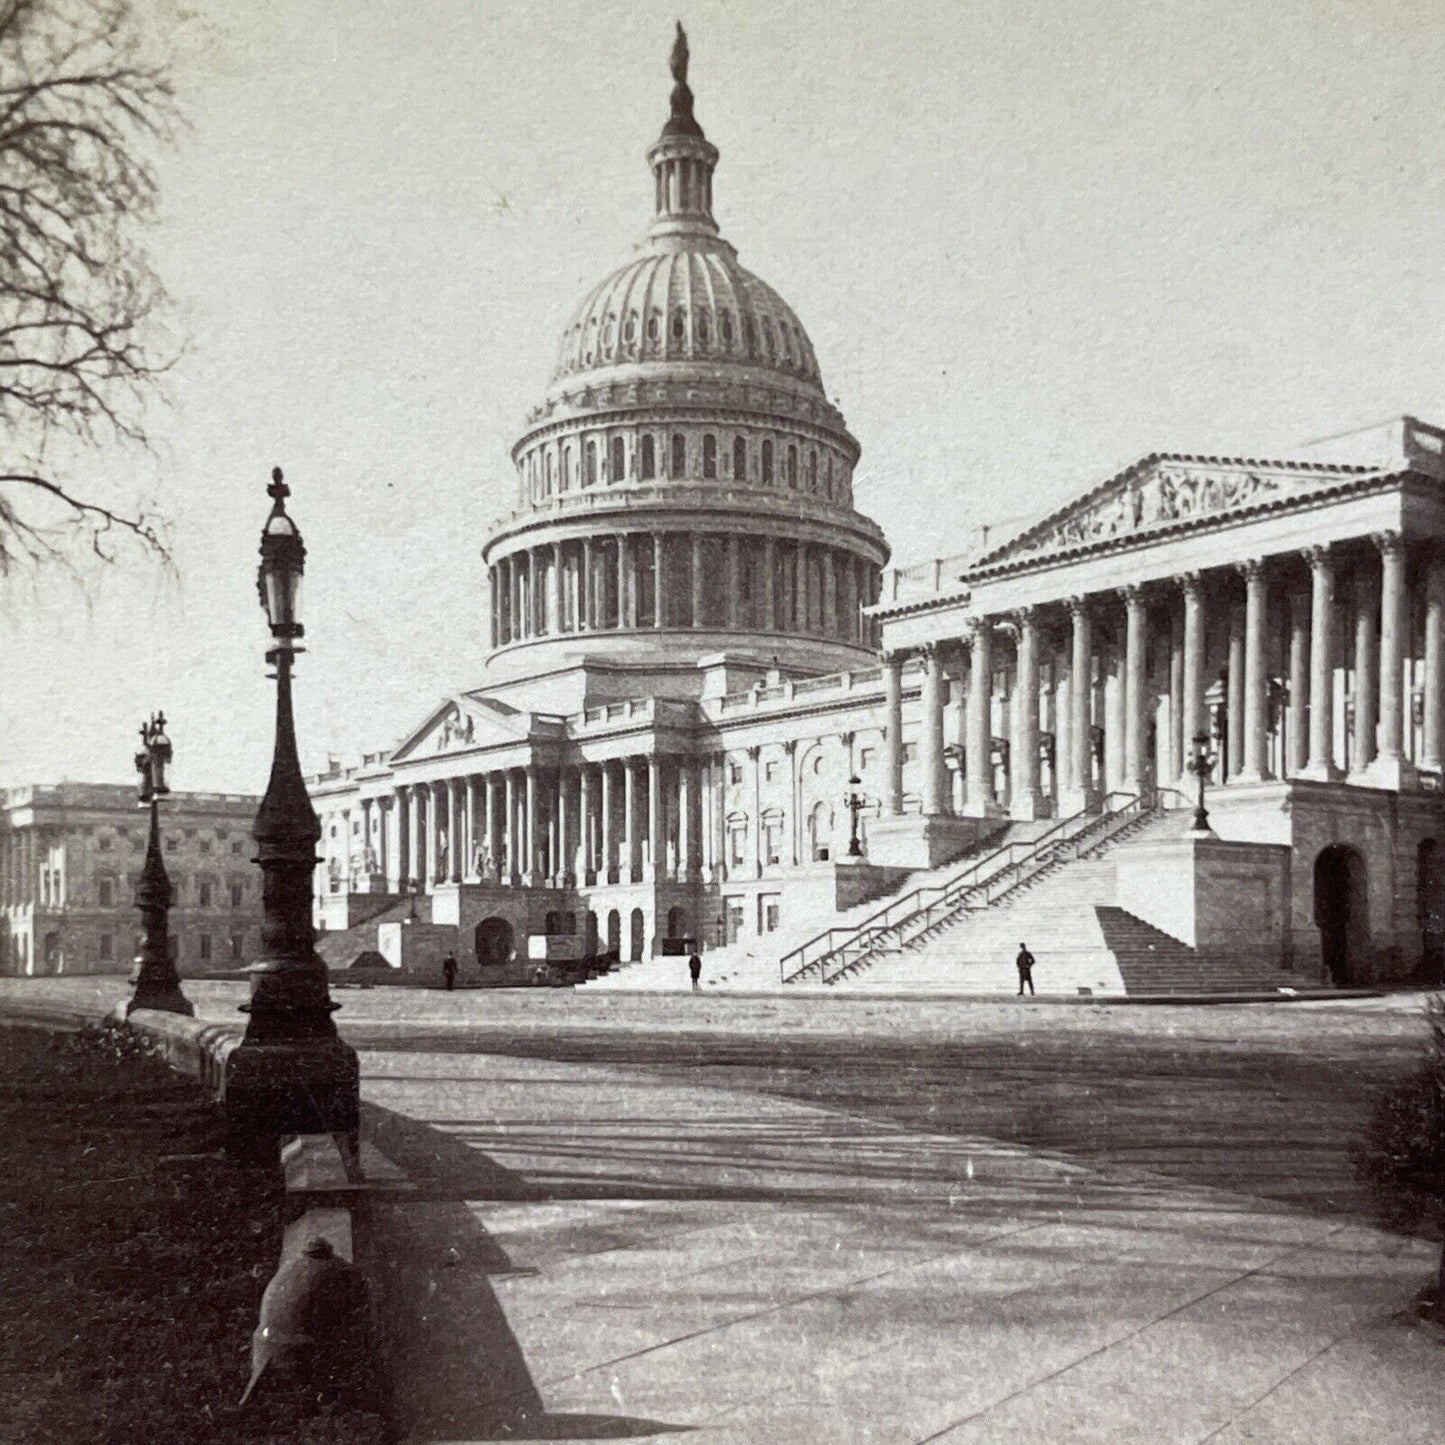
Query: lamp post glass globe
x=1202, y=765
x=283, y=563
x=855, y=802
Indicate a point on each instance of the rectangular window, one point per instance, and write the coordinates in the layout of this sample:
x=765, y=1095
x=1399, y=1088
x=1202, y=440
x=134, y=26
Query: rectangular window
x=735, y=773
x=238, y=893
x=236, y=846
x=769, y=912
x=205, y=947
x=238, y=947
x=773, y=836
x=205, y=845
x=103, y=843
x=205, y=895
x=105, y=892
x=865, y=759
x=107, y=947
x=910, y=751
x=737, y=839
x=770, y=771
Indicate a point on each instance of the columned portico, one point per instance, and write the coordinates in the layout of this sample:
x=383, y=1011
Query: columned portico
x=1391, y=769
x=978, y=748
x=1321, y=765
x=1255, y=765
x=1025, y=797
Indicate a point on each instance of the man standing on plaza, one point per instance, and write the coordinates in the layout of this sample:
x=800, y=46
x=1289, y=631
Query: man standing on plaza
x=694, y=967
x=1025, y=962
x=449, y=973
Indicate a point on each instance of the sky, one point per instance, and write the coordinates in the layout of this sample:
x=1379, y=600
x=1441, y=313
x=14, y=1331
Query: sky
x=1031, y=242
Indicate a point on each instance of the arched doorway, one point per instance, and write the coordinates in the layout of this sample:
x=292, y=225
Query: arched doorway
x=637, y=933
x=614, y=931
x=590, y=945
x=1342, y=915
x=493, y=942
x=1430, y=909
x=677, y=923
x=820, y=832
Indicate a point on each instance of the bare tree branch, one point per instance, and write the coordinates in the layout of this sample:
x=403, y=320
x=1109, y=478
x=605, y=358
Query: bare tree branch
x=83, y=110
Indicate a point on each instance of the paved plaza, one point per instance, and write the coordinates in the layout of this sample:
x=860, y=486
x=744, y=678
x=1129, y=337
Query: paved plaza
x=638, y=1217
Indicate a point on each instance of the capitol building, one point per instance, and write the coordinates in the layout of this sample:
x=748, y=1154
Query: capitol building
x=710, y=718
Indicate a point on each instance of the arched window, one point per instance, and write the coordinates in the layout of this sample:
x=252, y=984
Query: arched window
x=654, y=328
x=619, y=459
x=589, y=477
x=752, y=335
x=709, y=455
x=702, y=331
x=812, y=471
x=725, y=325
x=830, y=476
x=679, y=454
x=767, y=461
x=740, y=458
x=767, y=339
x=792, y=465
x=677, y=325
x=569, y=468
x=648, y=467
x=551, y=469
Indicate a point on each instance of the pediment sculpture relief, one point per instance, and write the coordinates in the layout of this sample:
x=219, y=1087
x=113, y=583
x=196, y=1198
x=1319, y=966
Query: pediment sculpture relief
x=1156, y=498
x=456, y=731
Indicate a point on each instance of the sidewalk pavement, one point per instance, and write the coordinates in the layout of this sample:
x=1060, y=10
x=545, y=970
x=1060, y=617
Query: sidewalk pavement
x=589, y=1252
x=584, y=1252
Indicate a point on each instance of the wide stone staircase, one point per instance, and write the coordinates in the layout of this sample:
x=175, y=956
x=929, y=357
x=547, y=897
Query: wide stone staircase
x=1082, y=941
x=753, y=963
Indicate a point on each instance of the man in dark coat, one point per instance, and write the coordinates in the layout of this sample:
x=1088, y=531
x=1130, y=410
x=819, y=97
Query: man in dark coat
x=1025, y=962
x=449, y=973
x=694, y=967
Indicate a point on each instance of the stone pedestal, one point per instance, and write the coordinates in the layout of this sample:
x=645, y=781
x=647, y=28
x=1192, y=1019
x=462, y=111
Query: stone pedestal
x=917, y=841
x=270, y=1090
x=1223, y=898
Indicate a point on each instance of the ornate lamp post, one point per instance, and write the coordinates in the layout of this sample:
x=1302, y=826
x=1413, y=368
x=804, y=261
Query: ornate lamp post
x=155, y=981
x=1202, y=765
x=291, y=1073
x=855, y=802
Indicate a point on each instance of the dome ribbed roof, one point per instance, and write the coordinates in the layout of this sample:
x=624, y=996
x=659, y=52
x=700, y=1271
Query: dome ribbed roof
x=689, y=302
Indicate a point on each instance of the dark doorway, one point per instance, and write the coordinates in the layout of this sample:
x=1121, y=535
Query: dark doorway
x=1430, y=909
x=614, y=931
x=590, y=946
x=676, y=923
x=493, y=942
x=637, y=930
x=1342, y=915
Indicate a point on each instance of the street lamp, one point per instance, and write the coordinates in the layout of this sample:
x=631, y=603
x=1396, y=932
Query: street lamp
x=155, y=981
x=1202, y=765
x=291, y=1073
x=855, y=802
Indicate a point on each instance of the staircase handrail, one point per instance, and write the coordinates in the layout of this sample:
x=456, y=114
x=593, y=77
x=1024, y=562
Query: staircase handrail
x=1009, y=856
x=1099, y=824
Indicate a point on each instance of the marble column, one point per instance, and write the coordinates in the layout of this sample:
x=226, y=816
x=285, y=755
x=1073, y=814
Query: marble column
x=455, y=842
x=659, y=582
x=830, y=594
x=1367, y=670
x=560, y=862
x=1321, y=765
x=1233, y=763
x=1255, y=759
x=801, y=619
x=489, y=828
x=1391, y=769
x=607, y=863
x=586, y=589
x=686, y=825
x=1432, y=743
x=893, y=733
x=1080, y=743
x=1195, y=723
x=586, y=860
x=978, y=746
x=627, y=601
x=770, y=611
x=1025, y=795
x=719, y=817
x=655, y=858
x=1136, y=686
x=1297, y=737
x=403, y=811
x=510, y=870
x=557, y=622
x=632, y=821
x=531, y=829
x=931, y=732
x=697, y=596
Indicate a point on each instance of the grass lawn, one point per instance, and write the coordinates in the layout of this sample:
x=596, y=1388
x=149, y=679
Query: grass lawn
x=134, y=1259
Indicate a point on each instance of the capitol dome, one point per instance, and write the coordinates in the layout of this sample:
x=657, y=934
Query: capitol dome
x=684, y=476
x=692, y=303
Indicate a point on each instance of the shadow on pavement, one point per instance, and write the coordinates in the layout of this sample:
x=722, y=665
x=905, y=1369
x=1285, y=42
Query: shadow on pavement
x=458, y=1371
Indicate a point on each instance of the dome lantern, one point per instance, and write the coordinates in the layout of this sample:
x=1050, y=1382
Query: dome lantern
x=682, y=161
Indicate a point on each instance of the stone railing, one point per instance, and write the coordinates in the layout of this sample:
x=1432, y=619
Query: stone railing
x=832, y=684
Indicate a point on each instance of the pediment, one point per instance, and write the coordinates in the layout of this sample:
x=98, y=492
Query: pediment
x=1158, y=494
x=462, y=724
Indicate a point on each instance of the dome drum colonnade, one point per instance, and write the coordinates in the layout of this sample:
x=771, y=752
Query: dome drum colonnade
x=686, y=472
x=1286, y=689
